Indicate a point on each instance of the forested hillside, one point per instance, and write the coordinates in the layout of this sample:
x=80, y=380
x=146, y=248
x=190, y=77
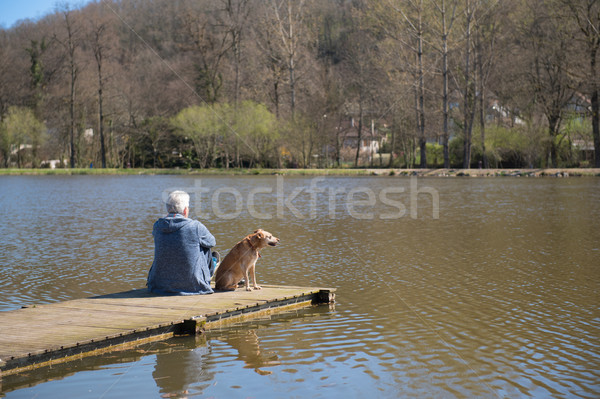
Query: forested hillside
x=299, y=83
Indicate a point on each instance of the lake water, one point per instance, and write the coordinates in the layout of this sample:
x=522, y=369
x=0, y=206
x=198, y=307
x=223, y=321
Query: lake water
x=447, y=288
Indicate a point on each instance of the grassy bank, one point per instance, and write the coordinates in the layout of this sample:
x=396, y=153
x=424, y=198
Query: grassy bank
x=225, y=172
x=567, y=172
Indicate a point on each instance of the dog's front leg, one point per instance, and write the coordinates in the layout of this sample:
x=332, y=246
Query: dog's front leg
x=246, y=280
x=256, y=286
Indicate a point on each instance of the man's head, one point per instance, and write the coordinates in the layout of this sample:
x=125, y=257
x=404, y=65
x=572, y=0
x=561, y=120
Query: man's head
x=178, y=202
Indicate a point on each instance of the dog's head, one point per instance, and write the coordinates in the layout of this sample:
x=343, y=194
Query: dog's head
x=261, y=239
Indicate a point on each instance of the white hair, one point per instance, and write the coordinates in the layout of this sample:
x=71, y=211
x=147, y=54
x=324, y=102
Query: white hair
x=178, y=201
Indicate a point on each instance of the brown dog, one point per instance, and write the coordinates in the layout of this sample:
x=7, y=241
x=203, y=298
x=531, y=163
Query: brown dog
x=241, y=260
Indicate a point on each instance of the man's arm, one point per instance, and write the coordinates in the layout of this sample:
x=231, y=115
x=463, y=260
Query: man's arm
x=206, y=239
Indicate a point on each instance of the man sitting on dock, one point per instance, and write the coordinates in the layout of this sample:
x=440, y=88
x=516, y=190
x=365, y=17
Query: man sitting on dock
x=183, y=262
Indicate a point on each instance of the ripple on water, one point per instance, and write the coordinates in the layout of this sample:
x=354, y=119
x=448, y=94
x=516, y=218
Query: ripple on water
x=496, y=298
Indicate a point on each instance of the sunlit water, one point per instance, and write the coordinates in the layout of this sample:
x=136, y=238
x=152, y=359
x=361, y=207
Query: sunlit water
x=496, y=296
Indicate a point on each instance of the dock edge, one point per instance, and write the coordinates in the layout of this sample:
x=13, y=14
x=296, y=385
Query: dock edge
x=189, y=326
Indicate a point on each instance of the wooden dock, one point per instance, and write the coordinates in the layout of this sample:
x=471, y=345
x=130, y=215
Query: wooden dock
x=43, y=335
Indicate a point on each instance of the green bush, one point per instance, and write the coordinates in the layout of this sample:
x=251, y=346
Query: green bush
x=515, y=147
x=435, y=155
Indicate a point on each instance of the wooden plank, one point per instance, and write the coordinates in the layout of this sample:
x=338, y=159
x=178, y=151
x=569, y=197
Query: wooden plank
x=47, y=334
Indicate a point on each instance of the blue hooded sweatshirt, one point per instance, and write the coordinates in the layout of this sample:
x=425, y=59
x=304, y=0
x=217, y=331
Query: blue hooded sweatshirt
x=181, y=257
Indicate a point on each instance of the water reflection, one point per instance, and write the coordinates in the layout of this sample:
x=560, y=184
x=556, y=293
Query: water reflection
x=247, y=344
x=183, y=368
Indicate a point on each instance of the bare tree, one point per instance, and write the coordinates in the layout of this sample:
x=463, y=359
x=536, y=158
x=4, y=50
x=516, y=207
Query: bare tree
x=209, y=42
x=486, y=32
x=99, y=27
x=403, y=23
x=237, y=12
x=414, y=21
x=469, y=86
x=446, y=21
x=272, y=57
x=5, y=67
x=360, y=80
x=289, y=19
x=547, y=47
x=587, y=15
x=71, y=43
x=413, y=16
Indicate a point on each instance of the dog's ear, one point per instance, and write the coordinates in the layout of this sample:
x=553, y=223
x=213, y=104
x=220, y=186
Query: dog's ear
x=259, y=234
x=257, y=230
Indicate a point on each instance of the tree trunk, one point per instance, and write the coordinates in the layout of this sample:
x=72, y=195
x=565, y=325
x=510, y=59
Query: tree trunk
x=467, y=93
x=237, y=12
x=417, y=122
x=587, y=16
x=445, y=99
x=359, y=135
x=445, y=113
x=291, y=65
x=338, y=145
x=288, y=31
x=72, y=117
x=595, y=106
x=596, y=127
x=392, y=146
x=422, y=139
x=98, y=54
x=238, y=59
x=70, y=46
x=484, y=160
x=553, y=125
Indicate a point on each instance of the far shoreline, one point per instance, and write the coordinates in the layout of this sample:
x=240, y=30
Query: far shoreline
x=513, y=172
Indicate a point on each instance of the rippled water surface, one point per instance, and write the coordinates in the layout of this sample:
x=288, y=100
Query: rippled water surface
x=496, y=296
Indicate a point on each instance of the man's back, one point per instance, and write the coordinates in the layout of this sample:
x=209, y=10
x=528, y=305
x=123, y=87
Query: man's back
x=181, y=257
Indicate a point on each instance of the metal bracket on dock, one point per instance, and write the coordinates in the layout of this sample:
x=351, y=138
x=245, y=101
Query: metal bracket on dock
x=323, y=297
x=192, y=326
